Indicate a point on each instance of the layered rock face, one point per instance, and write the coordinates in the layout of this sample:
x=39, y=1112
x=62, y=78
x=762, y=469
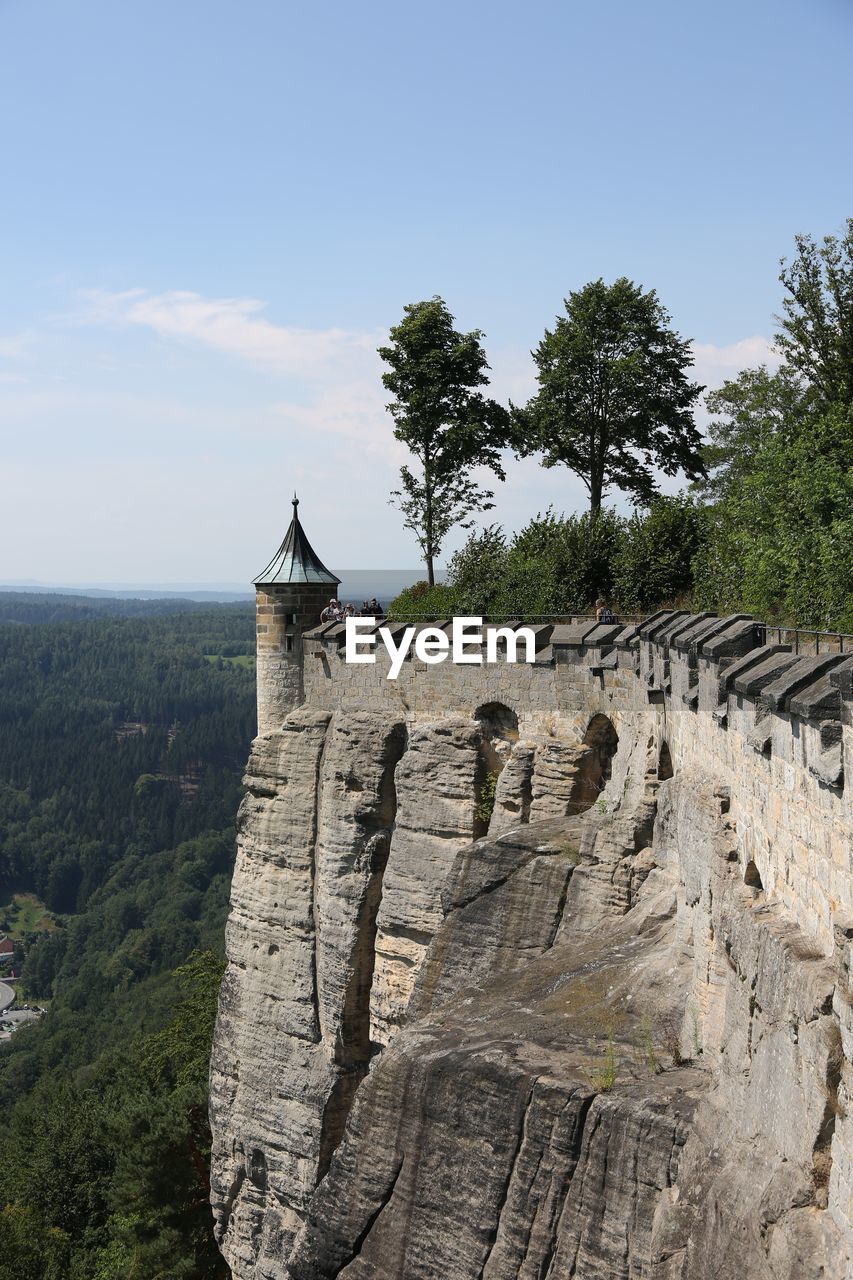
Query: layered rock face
x=645, y=1092
x=573, y=1037
x=350, y=827
x=293, y=1031
x=436, y=784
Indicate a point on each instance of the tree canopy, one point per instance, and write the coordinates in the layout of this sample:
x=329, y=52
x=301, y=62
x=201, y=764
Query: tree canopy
x=816, y=328
x=614, y=399
x=443, y=419
x=748, y=413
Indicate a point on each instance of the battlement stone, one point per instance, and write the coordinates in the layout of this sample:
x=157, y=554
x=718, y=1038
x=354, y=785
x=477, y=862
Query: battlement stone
x=799, y=677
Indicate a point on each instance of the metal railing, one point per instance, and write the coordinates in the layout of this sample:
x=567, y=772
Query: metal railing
x=808, y=641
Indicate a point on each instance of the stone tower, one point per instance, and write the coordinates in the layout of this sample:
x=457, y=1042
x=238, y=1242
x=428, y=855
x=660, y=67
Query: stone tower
x=291, y=592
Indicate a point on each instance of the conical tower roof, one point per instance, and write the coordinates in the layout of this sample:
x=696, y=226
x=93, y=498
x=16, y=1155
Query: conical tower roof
x=296, y=560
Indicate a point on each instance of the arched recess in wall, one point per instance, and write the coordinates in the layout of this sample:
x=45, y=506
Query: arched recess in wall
x=595, y=765
x=499, y=733
x=499, y=724
x=665, y=769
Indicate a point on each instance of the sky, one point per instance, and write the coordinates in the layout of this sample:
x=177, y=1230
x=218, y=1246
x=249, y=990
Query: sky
x=212, y=211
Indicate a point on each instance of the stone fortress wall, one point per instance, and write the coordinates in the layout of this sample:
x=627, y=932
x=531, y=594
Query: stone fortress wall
x=362, y=798
x=775, y=728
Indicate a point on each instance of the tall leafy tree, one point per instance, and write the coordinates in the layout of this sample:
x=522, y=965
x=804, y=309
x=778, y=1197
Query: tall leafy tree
x=443, y=418
x=750, y=412
x=816, y=336
x=614, y=399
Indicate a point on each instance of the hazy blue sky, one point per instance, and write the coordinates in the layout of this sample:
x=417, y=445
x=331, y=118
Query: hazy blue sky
x=212, y=210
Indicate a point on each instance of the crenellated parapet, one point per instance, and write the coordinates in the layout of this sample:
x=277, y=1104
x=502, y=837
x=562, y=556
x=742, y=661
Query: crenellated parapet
x=708, y=664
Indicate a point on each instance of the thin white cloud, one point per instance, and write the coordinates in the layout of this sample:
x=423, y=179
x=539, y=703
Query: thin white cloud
x=344, y=395
x=355, y=410
x=513, y=375
x=16, y=346
x=715, y=364
x=232, y=326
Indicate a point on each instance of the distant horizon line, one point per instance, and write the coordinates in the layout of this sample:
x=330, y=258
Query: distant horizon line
x=195, y=585
x=353, y=581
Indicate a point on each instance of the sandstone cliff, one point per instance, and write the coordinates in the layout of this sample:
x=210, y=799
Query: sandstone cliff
x=590, y=1041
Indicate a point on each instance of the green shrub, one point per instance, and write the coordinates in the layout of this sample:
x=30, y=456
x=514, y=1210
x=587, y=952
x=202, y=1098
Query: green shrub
x=423, y=601
x=775, y=542
x=485, y=805
x=602, y=1076
x=778, y=543
x=653, y=563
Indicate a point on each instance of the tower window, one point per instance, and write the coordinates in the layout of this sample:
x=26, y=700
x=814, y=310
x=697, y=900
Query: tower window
x=293, y=618
x=288, y=644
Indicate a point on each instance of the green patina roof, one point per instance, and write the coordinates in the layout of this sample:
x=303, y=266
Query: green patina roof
x=296, y=560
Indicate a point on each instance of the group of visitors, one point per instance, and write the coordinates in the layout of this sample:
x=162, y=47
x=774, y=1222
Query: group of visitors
x=337, y=612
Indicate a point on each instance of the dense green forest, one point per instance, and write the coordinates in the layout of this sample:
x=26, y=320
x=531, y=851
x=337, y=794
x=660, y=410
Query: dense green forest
x=123, y=731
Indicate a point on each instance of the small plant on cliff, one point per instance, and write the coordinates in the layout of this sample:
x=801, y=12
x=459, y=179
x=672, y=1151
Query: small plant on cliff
x=672, y=1041
x=485, y=805
x=602, y=1076
x=833, y=1087
x=648, y=1046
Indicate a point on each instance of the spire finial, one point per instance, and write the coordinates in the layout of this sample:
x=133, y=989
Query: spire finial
x=295, y=502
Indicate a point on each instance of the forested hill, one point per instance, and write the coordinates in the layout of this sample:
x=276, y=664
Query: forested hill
x=53, y=606
x=123, y=732
x=117, y=735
